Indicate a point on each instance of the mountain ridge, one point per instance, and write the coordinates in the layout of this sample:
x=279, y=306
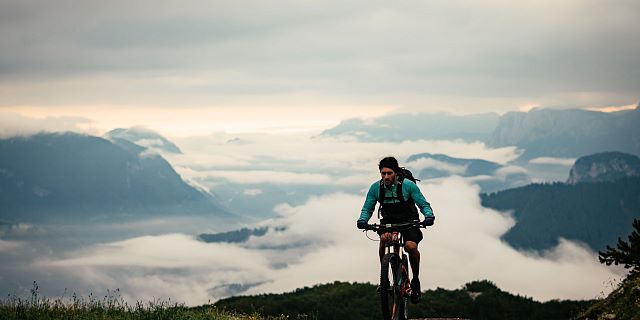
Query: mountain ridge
x=48, y=176
x=541, y=132
x=592, y=213
x=568, y=132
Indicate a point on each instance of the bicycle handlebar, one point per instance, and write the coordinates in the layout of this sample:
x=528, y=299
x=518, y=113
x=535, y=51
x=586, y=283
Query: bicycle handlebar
x=392, y=226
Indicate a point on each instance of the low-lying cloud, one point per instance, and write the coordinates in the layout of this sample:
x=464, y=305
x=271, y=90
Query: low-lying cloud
x=311, y=241
x=317, y=242
x=7, y=245
x=14, y=124
x=554, y=161
x=262, y=176
x=306, y=158
x=424, y=163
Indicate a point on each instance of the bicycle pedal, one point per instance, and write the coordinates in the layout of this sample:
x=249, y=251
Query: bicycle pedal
x=415, y=298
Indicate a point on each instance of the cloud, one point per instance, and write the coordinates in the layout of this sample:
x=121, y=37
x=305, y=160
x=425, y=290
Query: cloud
x=252, y=192
x=308, y=243
x=13, y=124
x=150, y=143
x=9, y=245
x=615, y=108
x=304, y=163
x=424, y=163
x=164, y=252
x=554, y=161
x=261, y=176
x=307, y=159
x=358, y=52
x=315, y=245
x=504, y=172
x=169, y=266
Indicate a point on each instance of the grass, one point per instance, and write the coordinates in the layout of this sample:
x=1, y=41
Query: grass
x=111, y=306
x=622, y=304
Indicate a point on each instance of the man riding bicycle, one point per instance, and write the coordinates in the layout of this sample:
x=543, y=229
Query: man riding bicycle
x=398, y=197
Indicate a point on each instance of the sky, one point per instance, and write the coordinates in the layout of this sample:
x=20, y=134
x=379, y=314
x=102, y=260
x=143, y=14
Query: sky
x=247, y=85
x=187, y=67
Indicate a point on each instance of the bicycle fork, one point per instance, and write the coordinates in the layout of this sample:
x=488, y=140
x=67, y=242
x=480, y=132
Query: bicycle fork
x=400, y=265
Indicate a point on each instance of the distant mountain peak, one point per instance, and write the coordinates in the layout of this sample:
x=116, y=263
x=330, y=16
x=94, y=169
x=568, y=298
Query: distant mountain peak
x=143, y=137
x=605, y=166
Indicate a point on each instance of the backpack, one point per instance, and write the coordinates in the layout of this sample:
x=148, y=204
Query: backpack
x=402, y=174
x=406, y=174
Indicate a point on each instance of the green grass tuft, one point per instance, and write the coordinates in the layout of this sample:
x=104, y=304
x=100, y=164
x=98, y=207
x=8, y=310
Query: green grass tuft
x=111, y=306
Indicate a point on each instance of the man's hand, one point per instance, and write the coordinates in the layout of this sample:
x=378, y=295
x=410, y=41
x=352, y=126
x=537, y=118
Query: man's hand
x=362, y=224
x=428, y=221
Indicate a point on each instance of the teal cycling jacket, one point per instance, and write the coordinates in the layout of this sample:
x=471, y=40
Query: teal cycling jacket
x=409, y=191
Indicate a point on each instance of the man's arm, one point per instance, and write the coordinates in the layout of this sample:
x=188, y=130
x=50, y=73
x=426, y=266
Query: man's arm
x=419, y=199
x=370, y=202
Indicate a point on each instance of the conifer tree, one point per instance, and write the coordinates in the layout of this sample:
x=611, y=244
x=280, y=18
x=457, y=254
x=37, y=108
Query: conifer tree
x=626, y=253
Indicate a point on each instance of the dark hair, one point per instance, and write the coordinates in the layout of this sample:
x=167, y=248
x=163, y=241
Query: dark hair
x=389, y=162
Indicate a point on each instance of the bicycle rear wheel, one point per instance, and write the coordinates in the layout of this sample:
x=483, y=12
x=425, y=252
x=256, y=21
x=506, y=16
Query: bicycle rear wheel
x=394, y=306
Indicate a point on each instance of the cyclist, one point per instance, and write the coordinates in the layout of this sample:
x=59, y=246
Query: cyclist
x=395, y=209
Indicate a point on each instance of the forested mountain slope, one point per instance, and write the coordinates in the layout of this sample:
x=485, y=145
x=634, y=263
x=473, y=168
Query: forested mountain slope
x=593, y=213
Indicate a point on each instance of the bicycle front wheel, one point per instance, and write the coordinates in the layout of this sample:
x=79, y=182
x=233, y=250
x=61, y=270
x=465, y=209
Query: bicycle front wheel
x=394, y=306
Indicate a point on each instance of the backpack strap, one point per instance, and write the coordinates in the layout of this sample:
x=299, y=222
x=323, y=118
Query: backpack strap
x=399, y=193
x=381, y=196
x=410, y=203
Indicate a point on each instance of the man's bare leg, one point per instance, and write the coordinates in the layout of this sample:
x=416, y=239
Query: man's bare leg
x=414, y=257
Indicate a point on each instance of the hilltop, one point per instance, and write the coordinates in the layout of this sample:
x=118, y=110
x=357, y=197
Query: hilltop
x=622, y=303
x=605, y=166
x=352, y=301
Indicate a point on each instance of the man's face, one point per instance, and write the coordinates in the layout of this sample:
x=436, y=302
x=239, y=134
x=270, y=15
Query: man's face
x=388, y=176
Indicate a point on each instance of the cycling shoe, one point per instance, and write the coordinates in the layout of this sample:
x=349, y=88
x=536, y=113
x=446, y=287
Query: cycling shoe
x=378, y=288
x=416, y=295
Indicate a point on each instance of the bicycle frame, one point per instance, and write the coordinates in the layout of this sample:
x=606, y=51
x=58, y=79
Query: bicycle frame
x=396, y=243
x=395, y=261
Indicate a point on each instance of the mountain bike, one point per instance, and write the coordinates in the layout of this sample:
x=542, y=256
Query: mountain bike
x=395, y=284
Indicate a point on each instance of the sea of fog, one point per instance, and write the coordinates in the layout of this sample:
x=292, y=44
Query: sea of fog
x=308, y=190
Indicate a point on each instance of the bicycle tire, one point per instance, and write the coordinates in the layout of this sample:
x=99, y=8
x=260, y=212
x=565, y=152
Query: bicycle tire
x=392, y=303
x=406, y=285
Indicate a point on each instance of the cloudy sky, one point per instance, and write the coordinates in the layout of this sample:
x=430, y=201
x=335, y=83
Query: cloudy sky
x=192, y=66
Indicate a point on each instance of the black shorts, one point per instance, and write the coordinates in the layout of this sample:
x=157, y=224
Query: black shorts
x=412, y=234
